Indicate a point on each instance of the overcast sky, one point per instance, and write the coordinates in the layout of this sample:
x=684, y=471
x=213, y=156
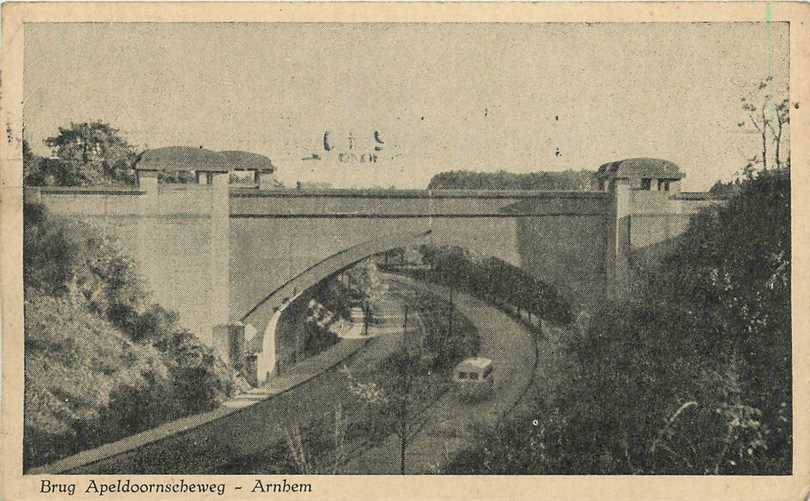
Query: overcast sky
x=452, y=96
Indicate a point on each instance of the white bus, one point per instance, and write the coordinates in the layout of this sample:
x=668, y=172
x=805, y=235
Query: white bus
x=474, y=378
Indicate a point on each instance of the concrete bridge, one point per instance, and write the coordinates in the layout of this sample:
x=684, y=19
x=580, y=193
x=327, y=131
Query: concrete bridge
x=224, y=256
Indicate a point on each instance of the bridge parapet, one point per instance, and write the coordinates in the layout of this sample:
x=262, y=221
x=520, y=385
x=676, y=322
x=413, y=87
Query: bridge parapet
x=414, y=203
x=396, y=193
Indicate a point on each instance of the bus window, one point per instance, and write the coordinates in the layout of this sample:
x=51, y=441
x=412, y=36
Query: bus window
x=473, y=375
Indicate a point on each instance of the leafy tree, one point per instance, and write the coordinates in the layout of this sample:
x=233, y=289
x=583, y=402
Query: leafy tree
x=428, y=253
x=498, y=281
x=75, y=363
x=334, y=295
x=646, y=396
x=365, y=283
x=32, y=174
x=304, y=451
x=133, y=408
x=394, y=401
x=514, y=446
x=40, y=171
x=87, y=153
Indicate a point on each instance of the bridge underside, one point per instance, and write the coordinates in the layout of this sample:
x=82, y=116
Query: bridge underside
x=263, y=276
x=260, y=314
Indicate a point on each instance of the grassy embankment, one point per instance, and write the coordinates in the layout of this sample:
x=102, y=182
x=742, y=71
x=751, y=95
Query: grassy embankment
x=101, y=361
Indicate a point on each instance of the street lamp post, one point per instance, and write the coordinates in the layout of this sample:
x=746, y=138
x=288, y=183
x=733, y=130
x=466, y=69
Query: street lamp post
x=405, y=326
x=365, y=317
x=450, y=315
x=405, y=373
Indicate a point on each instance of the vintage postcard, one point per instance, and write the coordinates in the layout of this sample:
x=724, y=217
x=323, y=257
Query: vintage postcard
x=405, y=251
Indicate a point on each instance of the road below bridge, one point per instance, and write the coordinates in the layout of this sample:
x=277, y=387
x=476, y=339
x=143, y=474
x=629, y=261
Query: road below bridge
x=447, y=425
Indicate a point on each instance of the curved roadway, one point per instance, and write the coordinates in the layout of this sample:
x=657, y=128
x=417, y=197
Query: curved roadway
x=447, y=424
x=445, y=427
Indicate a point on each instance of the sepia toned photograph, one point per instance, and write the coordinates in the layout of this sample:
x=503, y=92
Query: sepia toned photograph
x=404, y=248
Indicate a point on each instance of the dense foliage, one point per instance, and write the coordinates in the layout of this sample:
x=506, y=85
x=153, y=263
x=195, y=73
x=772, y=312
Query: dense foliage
x=87, y=153
x=731, y=276
x=495, y=280
x=358, y=286
x=502, y=180
x=364, y=282
x=448, y=336
x=688, y=375
x=102, y=362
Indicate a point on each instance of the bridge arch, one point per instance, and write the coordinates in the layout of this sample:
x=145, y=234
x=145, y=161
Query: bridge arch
x=265, y=317
x=216, y=253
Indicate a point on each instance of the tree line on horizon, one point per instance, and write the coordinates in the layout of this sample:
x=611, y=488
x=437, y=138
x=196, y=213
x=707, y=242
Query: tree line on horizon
x=567, y=180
